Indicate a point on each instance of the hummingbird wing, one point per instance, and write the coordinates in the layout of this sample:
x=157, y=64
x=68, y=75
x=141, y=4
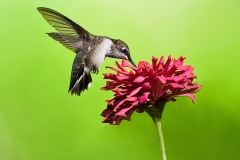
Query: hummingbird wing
x=59, y=38
x=70, y=34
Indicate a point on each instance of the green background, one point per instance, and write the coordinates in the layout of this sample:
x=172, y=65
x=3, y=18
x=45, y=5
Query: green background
x=39, y=120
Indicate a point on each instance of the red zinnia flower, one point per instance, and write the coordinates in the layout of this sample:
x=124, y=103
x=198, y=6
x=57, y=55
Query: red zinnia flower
x=146, y=86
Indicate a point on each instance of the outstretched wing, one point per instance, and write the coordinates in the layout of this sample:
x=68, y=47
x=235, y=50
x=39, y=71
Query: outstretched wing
x=70, y=34
x=59, y=38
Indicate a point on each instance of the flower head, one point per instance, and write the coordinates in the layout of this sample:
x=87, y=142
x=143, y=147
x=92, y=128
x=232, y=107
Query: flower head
x=148, y=85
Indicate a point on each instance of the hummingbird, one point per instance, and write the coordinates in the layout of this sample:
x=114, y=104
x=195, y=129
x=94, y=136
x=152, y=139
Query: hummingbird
x=91, y=50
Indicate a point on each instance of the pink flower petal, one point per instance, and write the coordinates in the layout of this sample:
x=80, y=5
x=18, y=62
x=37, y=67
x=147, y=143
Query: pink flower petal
x=158, y=87
x=126, y=64
x=118, y=71
x=189, y=95
x=123, y=112
x=154, y=62
x=120, y=78
x=187, y=70
x=176, y=85
x=118, y=105
x=131, y=99
x=143, y=65
x=120, y=67
x=135, y=103
x=139, y=79
x=135, y=91
x=146, y=86
x=174, y=78
x=191, y=89
x=144, y=97
x=168, y=62
x=162, y=79
x=161, y=63
x=117, y=119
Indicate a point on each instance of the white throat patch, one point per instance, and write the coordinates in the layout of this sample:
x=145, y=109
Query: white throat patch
x=100, y=52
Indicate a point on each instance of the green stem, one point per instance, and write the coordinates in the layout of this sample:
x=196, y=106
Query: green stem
x=155, y=111
x=160, y=136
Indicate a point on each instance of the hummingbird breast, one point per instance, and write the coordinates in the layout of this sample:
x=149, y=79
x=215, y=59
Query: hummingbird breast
x=98, y=54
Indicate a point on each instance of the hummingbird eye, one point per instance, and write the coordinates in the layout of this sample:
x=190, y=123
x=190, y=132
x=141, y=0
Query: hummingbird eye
x=124, y=51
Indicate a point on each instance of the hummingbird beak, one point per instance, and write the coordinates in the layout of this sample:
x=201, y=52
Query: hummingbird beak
x=131, y=61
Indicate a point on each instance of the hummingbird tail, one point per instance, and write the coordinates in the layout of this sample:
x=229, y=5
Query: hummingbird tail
x=83, y=83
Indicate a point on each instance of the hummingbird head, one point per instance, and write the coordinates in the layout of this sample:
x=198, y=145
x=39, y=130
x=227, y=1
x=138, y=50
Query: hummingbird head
x=120, y=50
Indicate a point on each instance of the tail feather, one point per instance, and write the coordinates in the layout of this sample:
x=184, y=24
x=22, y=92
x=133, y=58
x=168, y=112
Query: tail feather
x=81, y=84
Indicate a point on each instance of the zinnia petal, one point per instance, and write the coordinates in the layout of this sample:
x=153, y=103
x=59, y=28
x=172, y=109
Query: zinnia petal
x=189, y=95
x=135, y=91
x=126, y=64
x=144, y=98
x=139, y=79
x=158, y=84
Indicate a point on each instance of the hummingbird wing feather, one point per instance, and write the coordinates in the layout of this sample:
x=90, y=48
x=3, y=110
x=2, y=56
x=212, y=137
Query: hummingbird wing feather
x=59, y=38
x=73, y=34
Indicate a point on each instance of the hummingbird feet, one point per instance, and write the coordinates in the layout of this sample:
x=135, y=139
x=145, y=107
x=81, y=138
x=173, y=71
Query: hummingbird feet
x=94, y=70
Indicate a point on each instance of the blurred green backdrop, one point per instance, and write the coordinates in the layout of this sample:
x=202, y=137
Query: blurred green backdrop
x=39, y=120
